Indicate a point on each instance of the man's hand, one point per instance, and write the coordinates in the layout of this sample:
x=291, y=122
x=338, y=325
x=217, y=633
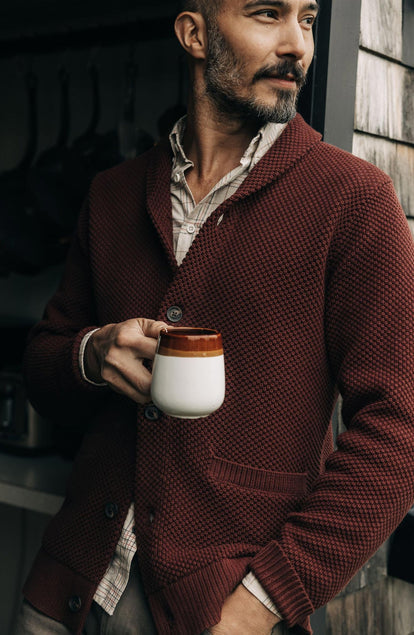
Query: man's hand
x=244, y=614
x=115, y=354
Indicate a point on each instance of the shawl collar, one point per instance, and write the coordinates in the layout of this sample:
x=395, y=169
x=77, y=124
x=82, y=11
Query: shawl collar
x=295, y=142
x=159, y=197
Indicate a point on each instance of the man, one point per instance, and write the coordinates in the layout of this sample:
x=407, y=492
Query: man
x=246, y=521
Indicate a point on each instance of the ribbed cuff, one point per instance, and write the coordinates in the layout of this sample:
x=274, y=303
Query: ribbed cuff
x=280, y=580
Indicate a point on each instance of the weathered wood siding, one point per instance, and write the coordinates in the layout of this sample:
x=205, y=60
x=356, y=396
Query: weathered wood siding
x=372, y=610
x=381, y=26
x=384, y=108
x=396, y=159
x=411, y=224
x=373, y=603
x=385, y=98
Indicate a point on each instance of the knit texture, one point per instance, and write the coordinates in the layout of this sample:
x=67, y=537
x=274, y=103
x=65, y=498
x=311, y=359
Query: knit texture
x=309, y=277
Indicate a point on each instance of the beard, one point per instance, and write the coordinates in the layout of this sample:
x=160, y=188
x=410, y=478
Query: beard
x=225, y=74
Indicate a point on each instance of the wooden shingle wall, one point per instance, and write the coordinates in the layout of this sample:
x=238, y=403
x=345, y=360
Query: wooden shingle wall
x=384, y=109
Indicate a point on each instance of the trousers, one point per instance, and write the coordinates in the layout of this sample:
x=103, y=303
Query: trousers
x=132, y=616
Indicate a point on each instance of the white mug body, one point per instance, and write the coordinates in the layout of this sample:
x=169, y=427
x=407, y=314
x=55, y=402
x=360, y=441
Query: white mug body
x=188, y=377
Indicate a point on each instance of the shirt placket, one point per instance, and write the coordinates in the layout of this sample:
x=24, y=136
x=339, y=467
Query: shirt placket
x=195, y=215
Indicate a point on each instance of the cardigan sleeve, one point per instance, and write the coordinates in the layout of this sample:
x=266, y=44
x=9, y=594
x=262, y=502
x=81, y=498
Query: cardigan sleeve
x=54, y=382
x=368, y=482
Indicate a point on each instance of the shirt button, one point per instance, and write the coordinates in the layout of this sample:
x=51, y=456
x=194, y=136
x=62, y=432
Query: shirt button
x=111, y=510
x=191, y=229
x=177, y=177
x=75, y=604
x=152, y=413
x=174, y=314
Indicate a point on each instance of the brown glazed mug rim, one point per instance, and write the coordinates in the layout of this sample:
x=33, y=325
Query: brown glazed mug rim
x=185, y=341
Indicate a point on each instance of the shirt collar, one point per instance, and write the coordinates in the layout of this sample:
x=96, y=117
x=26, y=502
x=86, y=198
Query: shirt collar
x=176, y=141
x=258, y=146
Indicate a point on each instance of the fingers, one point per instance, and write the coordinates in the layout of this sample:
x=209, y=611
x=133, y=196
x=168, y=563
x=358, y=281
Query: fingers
x=139, y=335
x=146, y=345
x=121, y=350
x=134, y=382
x=151, y=328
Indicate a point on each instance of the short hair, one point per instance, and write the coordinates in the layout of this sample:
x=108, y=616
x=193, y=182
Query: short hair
x=208, y=8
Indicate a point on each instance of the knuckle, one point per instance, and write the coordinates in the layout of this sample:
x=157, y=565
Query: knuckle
x=142, y=386
x=122, y=338
x=111, y=359
x=109, y=377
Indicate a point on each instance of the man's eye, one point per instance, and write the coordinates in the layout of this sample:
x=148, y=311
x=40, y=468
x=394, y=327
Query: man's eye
x=310, y=20
x=267, y=13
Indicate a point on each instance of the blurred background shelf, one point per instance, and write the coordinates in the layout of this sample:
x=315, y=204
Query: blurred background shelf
x=35, y=483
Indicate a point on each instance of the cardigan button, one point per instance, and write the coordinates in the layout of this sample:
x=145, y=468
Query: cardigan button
x=75, y=604
x=174, y=314
x=152, y=413
x=111, y=510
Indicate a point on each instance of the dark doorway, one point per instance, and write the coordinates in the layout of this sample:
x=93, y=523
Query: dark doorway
x=312, y=101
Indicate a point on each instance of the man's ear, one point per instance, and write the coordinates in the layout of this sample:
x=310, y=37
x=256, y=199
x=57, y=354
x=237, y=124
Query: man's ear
x=191, y=31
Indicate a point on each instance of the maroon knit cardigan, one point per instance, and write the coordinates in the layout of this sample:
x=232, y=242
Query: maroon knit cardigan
x=310, y=278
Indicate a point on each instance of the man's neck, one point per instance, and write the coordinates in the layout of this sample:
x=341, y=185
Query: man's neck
x=215, y=143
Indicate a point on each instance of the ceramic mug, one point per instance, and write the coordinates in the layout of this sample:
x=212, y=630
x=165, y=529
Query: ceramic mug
x=188, y=379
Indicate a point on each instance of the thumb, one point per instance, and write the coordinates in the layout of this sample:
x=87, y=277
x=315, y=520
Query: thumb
x=151, y=328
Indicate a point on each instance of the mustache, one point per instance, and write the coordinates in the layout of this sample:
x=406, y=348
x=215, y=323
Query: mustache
x=286, y=69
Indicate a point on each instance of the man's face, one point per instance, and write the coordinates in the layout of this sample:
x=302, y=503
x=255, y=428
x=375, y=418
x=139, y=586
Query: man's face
x=259, y=54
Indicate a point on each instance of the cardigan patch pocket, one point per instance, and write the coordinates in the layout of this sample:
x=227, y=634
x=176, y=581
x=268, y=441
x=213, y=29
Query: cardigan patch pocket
x=269, y=481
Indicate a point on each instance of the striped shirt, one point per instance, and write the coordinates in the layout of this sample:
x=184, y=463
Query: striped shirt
x=188, y=218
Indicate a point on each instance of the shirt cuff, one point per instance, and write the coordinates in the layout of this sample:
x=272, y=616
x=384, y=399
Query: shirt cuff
x=82, y=362
x=252, y=584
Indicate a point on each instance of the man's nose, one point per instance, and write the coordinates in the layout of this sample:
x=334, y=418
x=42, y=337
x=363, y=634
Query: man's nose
x=291, y=40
